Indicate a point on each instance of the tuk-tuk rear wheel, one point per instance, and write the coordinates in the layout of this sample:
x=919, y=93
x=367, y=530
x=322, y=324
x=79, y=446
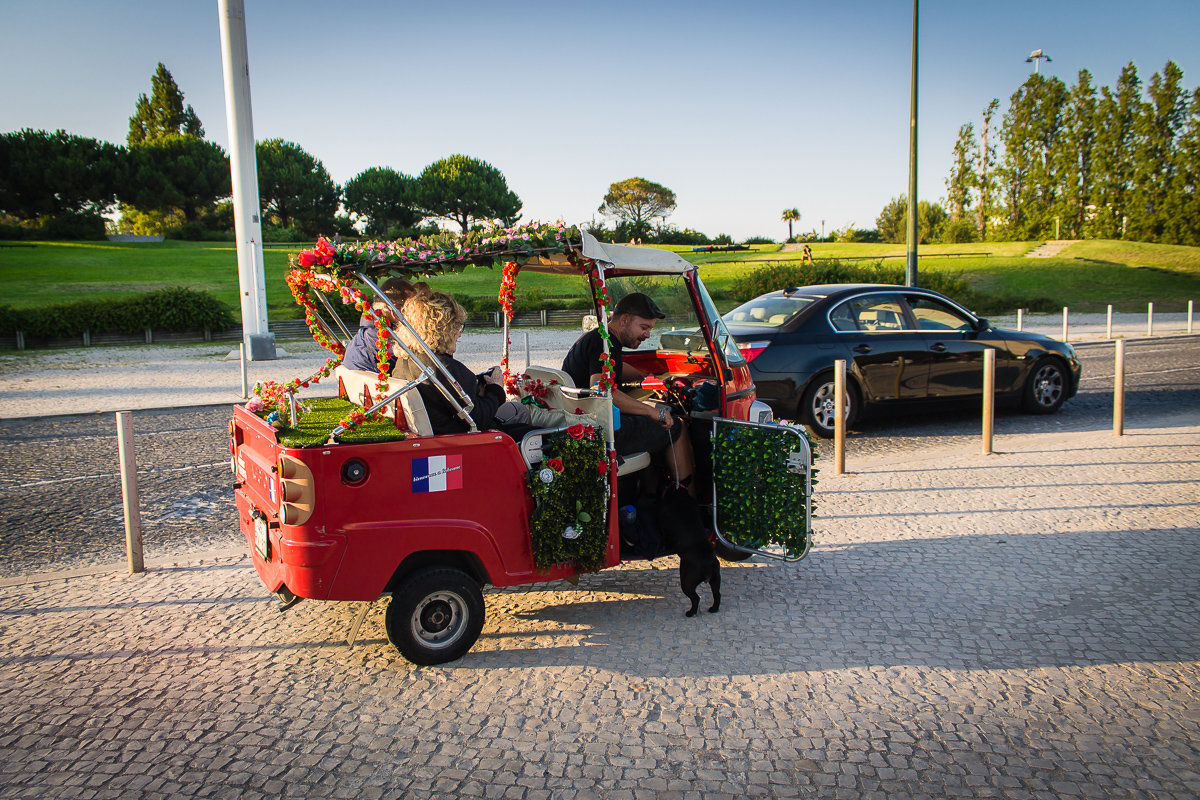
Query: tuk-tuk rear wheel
x=435, y=615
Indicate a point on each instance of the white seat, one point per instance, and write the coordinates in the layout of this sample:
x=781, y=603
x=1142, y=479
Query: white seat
x=407, y=411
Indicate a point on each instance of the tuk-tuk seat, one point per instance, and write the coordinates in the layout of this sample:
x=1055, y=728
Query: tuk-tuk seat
x=407, y=411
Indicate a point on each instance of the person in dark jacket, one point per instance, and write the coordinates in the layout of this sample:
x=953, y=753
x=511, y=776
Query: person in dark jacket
x=438, y=319
x=361, y=351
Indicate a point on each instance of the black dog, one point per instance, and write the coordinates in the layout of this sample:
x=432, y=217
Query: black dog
x=684, y=531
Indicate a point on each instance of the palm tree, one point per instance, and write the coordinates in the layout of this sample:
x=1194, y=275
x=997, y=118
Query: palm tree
x=791, y=215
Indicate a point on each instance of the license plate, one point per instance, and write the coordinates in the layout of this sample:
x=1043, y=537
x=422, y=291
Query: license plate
x=262, y=545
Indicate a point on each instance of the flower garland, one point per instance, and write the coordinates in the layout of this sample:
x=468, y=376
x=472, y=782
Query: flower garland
x=432, y=255
x=301, y=282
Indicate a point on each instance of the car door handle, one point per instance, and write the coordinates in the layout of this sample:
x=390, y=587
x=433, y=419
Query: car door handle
x=863, y=348
x=938, y=347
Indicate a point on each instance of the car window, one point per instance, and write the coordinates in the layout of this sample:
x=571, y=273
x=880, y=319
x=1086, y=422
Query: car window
x=872, y=312
x=934, y=315
x=769, y=311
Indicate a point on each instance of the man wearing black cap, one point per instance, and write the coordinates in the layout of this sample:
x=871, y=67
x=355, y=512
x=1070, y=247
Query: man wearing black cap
x=644, y=427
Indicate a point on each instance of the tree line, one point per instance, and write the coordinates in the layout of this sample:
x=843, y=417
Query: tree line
x=1082, y=161
x=168, y=178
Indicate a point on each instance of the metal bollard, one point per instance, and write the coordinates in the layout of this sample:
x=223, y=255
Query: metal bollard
x=1108, y=325
x=1020, y=319
x=129, y=493
x=839, y=417
x=1150, y=319
x=1119, y=390
x=245, y=375
x=989, y=398
x=1189, y=327
x=1064, y=323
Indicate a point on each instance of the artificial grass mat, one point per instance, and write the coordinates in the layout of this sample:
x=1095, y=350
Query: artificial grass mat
x=321, y=415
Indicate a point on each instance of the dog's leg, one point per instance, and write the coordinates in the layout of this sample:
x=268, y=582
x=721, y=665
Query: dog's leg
x=691, y=594
x=714, y=583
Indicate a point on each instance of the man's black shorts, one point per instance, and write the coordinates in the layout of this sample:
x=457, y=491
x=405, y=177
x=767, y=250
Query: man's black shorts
x=639, y=434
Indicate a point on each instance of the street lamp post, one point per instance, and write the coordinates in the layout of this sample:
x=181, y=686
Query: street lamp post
x=910, y=271
x=1036, y=57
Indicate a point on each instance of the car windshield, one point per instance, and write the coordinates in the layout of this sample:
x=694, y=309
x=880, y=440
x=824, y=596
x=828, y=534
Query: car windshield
x=769, y=311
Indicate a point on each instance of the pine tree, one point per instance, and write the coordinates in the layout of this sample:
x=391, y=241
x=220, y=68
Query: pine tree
x=163, y=113
x=1116, y=138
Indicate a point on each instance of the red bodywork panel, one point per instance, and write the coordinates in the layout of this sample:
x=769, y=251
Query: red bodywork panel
x=474, y=503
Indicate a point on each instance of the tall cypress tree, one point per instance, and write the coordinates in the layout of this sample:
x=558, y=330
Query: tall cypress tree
x=1154, y=166
x=986, y=179
x=1075, y=154
x=1030, y=132
x=1116, y=138
x=1185, y=188
x=962, y=173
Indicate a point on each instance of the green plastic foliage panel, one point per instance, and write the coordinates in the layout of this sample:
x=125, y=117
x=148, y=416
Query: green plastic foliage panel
x=761, y=475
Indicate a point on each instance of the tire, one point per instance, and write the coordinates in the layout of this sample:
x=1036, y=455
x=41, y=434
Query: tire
x=435, y=615
x=1046, y=388
x=816, y=407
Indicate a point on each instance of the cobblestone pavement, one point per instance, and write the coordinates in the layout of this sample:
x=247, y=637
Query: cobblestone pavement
x=1021, y=625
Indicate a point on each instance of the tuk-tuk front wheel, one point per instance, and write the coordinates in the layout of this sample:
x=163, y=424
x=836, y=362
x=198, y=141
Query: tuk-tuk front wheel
x=435, y=615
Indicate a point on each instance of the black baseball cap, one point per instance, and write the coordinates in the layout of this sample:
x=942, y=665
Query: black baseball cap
x=639, y=305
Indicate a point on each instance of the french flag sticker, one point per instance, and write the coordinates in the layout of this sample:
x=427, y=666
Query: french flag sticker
x=436, y=474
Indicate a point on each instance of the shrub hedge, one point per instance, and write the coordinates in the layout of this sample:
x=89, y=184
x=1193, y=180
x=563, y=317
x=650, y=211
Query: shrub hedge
x=175, y=309
x=951, y=284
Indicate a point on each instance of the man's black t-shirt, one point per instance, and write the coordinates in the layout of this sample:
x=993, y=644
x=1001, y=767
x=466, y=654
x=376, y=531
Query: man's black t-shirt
x=583, y=359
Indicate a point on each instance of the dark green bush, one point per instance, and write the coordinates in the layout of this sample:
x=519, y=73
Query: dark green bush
x=175, y=309
x=779, y=276
x=759, y=240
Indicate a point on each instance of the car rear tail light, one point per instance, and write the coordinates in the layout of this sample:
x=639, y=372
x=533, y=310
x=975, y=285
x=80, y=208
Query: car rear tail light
x=751, y=350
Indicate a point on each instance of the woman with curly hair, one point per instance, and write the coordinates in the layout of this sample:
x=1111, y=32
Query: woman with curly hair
x=438, y=319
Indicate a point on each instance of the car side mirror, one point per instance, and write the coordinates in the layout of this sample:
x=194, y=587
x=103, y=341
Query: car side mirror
x=982, y=325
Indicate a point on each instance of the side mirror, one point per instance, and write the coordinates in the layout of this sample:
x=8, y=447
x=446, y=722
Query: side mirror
x=982, y=325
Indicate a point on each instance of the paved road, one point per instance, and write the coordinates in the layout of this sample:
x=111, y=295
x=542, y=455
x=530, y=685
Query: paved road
x=60, y=501
x=1023, y=625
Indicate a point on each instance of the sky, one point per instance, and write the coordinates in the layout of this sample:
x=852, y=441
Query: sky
x=743, y=109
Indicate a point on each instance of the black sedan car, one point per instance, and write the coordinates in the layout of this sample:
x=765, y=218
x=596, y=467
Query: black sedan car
x=901, y=345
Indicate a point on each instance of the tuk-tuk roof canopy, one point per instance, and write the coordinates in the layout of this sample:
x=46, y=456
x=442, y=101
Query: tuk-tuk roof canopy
x=538, y=247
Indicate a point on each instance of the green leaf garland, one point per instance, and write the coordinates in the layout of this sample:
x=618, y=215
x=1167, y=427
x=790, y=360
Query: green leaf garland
x=574, y=502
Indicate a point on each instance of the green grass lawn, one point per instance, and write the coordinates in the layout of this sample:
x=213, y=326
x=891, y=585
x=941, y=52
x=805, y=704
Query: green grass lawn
x=1087, y=276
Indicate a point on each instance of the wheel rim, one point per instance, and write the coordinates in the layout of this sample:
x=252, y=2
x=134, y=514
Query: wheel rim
x=439, y=620
x=824, y=410
x=1047, y=386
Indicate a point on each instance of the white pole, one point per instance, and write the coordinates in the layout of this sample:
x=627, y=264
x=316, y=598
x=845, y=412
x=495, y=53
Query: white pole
x=1020, y=319
x=1150, y=319
x=245, y=376
x=129, y=493
x=260, y=342
x=1189, y=328
x=527, y=353
x=1064, y=323
x=1108, y=325
x=989, y=398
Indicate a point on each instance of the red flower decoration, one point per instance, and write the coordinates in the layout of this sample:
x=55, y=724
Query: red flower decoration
x=575, y=431
x=601, y=467
x=590, y=431
x=555, y=464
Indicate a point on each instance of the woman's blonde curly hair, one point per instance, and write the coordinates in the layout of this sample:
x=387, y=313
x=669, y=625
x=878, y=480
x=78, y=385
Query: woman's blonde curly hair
x=437, y=318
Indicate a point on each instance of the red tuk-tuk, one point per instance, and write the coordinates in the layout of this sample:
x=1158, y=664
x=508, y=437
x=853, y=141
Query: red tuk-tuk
x=352, y=498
